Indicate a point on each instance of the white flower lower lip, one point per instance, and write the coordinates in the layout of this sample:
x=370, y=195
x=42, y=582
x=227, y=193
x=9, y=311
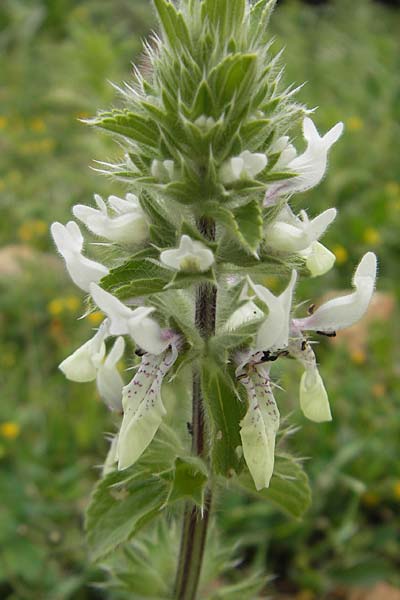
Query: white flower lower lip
x=345, y=311
x=190, y=256
x=143, y=407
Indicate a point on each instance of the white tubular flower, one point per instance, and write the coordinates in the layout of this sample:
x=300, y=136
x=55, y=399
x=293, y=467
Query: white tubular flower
x=83, y=364
x=273, y=334
x=146, y=332
x=205, y=123
x=343, y=312
x=191, y=256
x=127, y=225
x=260, y=425
x=319, y=260
x=69, y=242
x=89, y=363
x=245, y=166
x=109, y=381
x=314, y=400
x=163, y=170
x=310, y=166
x=290, y=233
x=143, y=407
x=286, y=151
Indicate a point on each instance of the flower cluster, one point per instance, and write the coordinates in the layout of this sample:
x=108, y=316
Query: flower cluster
x=209, y=156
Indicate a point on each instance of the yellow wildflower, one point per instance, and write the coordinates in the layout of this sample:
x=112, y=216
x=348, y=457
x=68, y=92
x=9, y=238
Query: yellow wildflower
x=56, y=307
x=38, y=125
x=354, y=124
x=96, y=317
x=72, y=303
x=32, y=229
x=396, y=490
x=358, y=357
x=305, y=595
x=371, y=236
x=46, y=145
x=370, y=499
x=3, y=122
x=379, y=390
x=341, y=254
x=392, y=188
x=10, y=430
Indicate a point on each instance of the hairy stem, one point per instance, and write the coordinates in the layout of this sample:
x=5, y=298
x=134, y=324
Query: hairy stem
x=195, y=521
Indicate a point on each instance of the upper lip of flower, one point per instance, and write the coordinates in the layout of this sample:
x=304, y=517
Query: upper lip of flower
x=69, y=242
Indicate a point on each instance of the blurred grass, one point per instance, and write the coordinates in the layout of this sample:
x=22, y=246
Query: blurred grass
x=58, y=56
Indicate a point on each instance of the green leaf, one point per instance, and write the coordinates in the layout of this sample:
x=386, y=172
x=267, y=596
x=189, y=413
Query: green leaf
x=259, y=17
x=247, y=589
x=130, y=125
x=136, y=277
x=172, y=23
x=122, y=503
x=204, y=102
x=182, y=279
x=177, y=307
x=233, y=77
x=289, y=489
x=225, y=15
x=250, y=224
x=189, y=480
x=223, y=343
x=162, y=228
x=225, y=413
x=244, y=222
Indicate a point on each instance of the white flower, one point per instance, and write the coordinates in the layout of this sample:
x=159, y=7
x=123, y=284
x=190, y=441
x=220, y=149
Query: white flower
x=319, y=260
x=163, y=170
x=190, y=256
x=260, y=425
x=286, y=151
x=290, y=233
x=205, y=123
x=89, y=363
x=245, y=166
x=69, y=242
x=109, y=381
x=345, y=311
x=314, y=400
x=273, y=334
x=145, y=331
x=143, y=407
x=127, y=225
x=333, y=315
x=310, y=166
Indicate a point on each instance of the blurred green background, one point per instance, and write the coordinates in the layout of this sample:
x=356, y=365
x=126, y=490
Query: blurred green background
x=57, y=59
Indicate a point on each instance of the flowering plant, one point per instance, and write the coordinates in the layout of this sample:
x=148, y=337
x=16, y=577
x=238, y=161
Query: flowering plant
x=211, y=170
